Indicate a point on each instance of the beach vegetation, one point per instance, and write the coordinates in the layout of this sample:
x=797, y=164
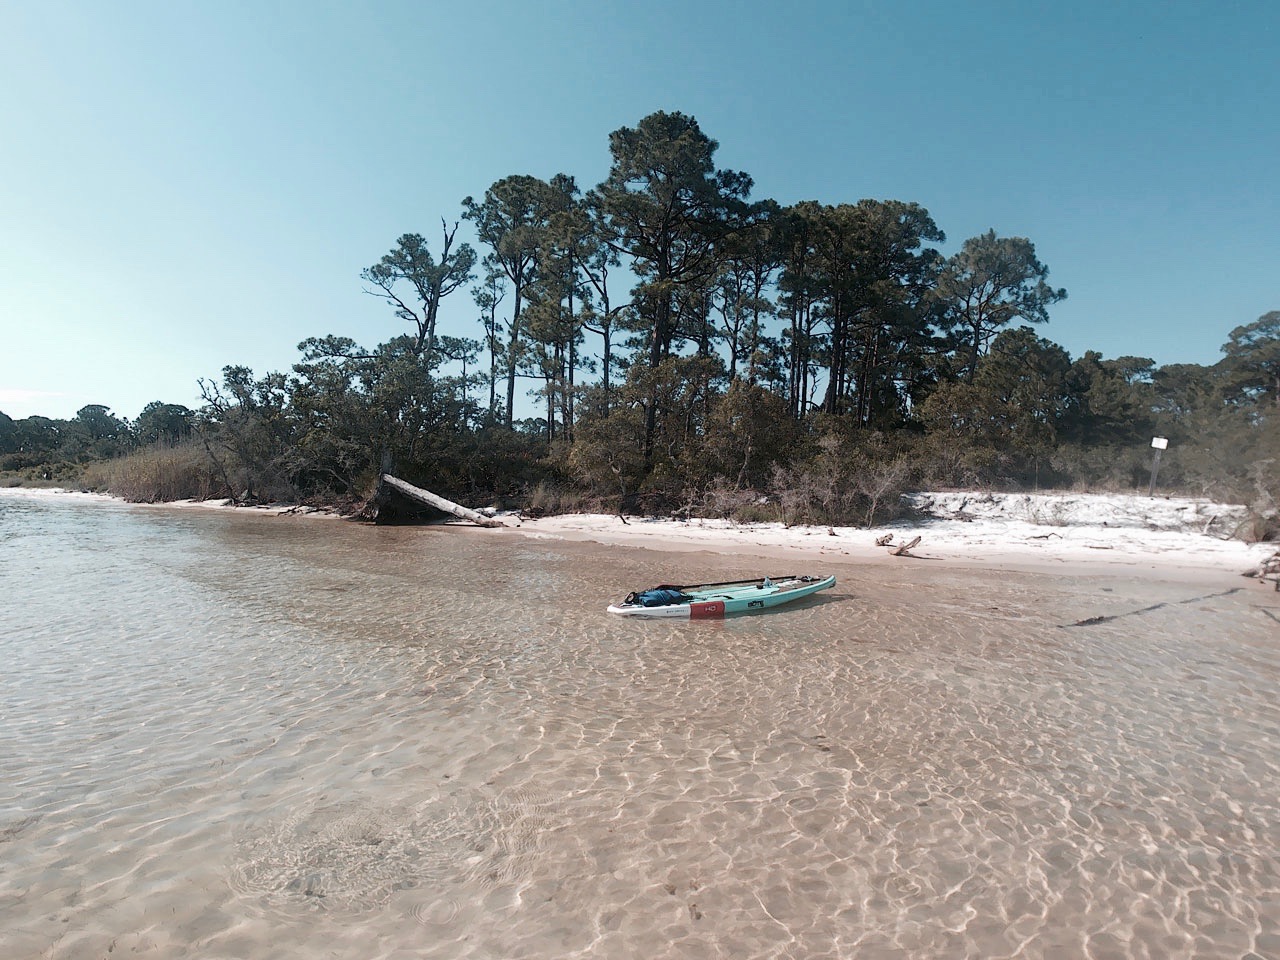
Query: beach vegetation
x=665, y=342
x=161, y=472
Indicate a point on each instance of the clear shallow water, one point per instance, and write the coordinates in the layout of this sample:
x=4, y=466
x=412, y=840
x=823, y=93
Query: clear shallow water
x=230, y=736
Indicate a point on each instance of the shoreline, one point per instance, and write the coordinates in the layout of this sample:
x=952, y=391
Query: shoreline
x=1059, y=534
x=1171, y=557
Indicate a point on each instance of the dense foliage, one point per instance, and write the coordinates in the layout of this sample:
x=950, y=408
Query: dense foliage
x=687, y=347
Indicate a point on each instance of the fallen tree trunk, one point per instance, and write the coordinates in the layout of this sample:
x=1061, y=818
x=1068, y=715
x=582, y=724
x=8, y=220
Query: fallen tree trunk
x=440, y=503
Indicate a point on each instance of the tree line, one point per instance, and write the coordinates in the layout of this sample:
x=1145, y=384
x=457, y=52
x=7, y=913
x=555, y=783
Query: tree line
x=51, y=449
x=689, y=347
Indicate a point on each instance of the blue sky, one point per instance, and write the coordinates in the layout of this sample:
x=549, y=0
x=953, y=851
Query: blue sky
x=185, y=186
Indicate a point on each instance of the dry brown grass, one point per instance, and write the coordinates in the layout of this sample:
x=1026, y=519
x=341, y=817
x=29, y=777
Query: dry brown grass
x=158, y=474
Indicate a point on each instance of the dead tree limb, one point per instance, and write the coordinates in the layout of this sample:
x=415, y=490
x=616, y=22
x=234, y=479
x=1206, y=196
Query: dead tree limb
x=440, y=503
x=901, y=551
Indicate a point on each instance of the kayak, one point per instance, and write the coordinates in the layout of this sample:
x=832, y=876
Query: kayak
x=710, y=601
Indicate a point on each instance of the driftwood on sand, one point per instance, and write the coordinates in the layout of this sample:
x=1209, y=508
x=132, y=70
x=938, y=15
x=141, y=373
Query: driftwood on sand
x=896, y=550
x=903, y=550
x=1268, y=569
x=438, y=502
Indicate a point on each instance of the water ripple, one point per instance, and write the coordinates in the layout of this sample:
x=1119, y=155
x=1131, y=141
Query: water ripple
x=228, y=735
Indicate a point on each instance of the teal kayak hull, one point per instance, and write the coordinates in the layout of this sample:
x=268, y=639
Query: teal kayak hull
x=711, y=601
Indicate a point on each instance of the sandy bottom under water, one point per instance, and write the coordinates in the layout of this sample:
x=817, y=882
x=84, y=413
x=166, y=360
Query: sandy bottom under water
x=241, y=737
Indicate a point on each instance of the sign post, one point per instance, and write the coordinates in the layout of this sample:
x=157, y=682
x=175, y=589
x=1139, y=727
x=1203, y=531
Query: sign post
x=1159, y=443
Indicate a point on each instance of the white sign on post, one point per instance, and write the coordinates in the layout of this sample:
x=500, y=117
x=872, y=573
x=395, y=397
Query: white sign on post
x=1160, y=443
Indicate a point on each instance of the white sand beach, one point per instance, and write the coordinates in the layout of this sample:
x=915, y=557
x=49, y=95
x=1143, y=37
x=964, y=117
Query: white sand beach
x=1065, y=533
x=1048, y=532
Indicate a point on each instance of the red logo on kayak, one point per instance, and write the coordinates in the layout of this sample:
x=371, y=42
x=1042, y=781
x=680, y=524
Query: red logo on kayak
x=707, y=610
